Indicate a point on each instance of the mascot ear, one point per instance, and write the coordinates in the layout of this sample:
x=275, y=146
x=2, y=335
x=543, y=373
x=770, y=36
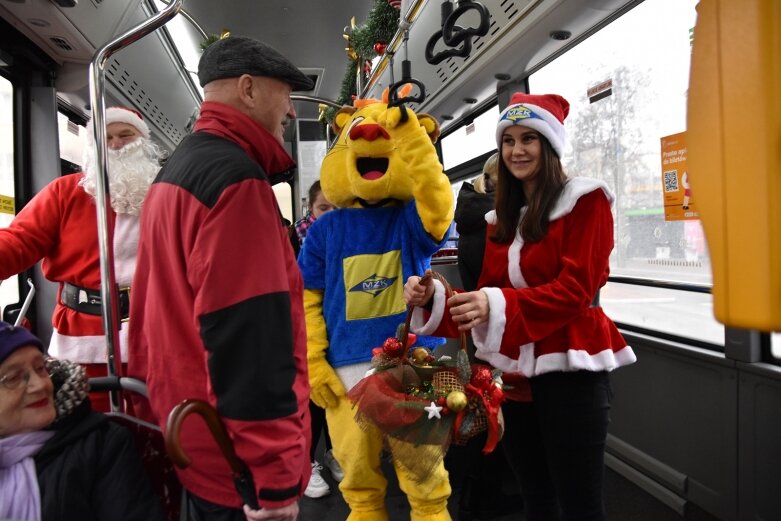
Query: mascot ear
x=342, y=118
x=431, y=125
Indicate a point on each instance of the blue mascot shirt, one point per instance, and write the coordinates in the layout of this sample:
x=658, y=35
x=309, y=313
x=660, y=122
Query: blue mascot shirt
x=361, y=259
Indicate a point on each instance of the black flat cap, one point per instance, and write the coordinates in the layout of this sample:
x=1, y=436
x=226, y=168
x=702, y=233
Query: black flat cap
x=233, y=56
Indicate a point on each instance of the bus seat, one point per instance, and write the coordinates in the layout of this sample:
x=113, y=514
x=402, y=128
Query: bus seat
x=151, y=446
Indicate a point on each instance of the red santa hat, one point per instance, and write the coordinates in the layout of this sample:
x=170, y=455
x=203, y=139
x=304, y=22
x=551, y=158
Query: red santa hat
x=129, y=116
x=544, y=113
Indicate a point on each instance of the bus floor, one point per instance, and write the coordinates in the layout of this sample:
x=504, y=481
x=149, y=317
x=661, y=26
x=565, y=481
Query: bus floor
x=624, y=501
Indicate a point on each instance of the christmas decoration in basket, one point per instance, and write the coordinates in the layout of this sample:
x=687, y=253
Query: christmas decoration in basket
x=416, y=398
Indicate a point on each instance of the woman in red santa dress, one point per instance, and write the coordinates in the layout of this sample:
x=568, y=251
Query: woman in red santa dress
x=59, y=227
x=536, y=312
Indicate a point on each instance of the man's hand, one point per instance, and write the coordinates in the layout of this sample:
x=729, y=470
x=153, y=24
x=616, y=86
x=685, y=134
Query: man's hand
x=286, y=513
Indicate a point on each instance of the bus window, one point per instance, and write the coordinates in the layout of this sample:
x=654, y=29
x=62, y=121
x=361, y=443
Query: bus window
x=9, y=291
x=72, y=143
x=284, y=194
x=470, y=140
x=627, y=85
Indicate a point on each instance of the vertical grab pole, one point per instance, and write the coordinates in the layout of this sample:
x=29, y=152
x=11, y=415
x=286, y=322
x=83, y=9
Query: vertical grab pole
x=108, y=286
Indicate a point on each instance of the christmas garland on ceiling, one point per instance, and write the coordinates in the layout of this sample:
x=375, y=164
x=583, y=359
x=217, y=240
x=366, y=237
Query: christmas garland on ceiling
x=364, y=42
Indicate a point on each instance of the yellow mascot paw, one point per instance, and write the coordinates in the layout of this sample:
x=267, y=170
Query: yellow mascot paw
x=326, y=385
x=324, y=397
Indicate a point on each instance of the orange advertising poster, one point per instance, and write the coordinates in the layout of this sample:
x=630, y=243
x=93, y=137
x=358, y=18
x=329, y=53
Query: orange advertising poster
x=679, y=203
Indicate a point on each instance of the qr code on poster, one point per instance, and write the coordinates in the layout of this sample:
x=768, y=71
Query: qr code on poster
x=671, y=181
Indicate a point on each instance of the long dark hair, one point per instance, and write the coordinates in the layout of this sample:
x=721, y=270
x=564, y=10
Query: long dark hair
x=549, y=179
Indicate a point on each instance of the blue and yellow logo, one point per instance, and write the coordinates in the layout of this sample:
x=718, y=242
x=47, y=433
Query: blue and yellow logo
x=518, y=113
x=373, y=285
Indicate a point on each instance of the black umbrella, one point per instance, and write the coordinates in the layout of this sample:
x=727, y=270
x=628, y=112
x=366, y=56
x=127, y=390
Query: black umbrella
x=242, y=479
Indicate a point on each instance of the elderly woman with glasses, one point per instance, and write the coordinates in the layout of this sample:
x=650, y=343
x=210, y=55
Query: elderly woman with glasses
x=59, y=459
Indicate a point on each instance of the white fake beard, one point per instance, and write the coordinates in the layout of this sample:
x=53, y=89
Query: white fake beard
x=130, y=171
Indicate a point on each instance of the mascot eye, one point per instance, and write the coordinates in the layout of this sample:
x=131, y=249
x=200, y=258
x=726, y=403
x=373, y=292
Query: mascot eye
x=354, y=122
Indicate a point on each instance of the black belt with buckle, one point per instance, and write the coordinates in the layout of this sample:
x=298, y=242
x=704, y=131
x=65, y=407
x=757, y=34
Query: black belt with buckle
x=85, y=300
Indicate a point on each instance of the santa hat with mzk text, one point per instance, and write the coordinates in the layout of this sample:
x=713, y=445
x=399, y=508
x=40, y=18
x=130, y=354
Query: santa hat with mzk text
x=129, y=116
x=544, y=113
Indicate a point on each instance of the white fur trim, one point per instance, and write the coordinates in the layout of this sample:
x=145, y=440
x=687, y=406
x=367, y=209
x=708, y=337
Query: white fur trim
x=487, y=336
x=121, y=115
x=576, y=188
x=125, y=248
x=514, y=262
x=545, y=123
x=501, y=362
x=580, y=360
x=85, y=349
x=418, y=324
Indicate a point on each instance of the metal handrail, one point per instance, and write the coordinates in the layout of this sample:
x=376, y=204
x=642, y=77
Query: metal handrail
x=190, y=19
x=315, y=99
x=108, y=285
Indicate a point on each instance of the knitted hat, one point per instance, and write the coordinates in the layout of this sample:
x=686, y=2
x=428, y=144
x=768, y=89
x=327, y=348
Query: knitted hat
x=129, y=116
x=232, y=56
x=13, y=338
x=544, y=113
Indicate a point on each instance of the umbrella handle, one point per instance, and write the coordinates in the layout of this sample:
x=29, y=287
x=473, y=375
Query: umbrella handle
x=241, y=475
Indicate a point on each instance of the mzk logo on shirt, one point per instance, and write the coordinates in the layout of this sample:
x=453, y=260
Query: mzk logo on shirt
x=373, y=285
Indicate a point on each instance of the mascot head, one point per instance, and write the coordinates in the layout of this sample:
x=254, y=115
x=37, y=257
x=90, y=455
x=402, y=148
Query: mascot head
x=364, y=167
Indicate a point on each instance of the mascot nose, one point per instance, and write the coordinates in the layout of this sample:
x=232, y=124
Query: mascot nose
x=369, y=132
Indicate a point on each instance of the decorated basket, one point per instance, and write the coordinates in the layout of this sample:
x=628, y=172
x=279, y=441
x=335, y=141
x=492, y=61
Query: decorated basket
x=423, y=403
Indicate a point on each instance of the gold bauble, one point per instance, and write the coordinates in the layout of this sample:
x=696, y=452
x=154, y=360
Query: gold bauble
x=419, y=355
x=456, y=400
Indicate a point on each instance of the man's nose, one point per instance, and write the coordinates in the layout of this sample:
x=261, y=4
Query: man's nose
x=115, y=144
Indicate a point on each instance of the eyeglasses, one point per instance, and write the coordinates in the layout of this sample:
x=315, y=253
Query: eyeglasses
x=15, y=378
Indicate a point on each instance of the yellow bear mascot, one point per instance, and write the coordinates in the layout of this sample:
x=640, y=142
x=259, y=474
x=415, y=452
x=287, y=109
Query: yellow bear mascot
x=394, y=208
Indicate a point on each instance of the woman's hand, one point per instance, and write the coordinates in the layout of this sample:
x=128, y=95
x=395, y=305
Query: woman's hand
x=468, y=309
x=418, y=294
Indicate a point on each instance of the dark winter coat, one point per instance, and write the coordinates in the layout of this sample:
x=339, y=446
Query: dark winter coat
x=90, y=470
x=471, y=207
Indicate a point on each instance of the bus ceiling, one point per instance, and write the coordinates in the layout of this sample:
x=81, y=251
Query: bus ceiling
x=156, y=74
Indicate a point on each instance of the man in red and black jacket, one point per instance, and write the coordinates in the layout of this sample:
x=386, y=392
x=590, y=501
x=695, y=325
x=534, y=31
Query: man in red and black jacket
x=217, y=297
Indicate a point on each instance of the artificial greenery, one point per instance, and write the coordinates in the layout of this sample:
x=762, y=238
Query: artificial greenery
x=381, y=25
x=209, y=40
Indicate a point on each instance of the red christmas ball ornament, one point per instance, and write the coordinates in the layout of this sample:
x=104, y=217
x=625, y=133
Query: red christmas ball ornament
x=392, y=347
x=396, y=4
x=379, y=48
x=482, y=378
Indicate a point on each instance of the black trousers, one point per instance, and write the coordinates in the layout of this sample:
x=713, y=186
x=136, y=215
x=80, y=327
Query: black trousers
x=201, y=510
x=319, y=426
x=556, y=445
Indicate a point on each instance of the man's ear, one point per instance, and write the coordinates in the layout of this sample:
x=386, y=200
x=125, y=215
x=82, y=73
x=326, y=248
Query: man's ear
x=245, y=89
x=431, y=125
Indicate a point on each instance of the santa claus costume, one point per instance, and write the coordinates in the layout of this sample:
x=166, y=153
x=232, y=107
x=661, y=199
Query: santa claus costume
x=59, y=228
x=543, y=318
